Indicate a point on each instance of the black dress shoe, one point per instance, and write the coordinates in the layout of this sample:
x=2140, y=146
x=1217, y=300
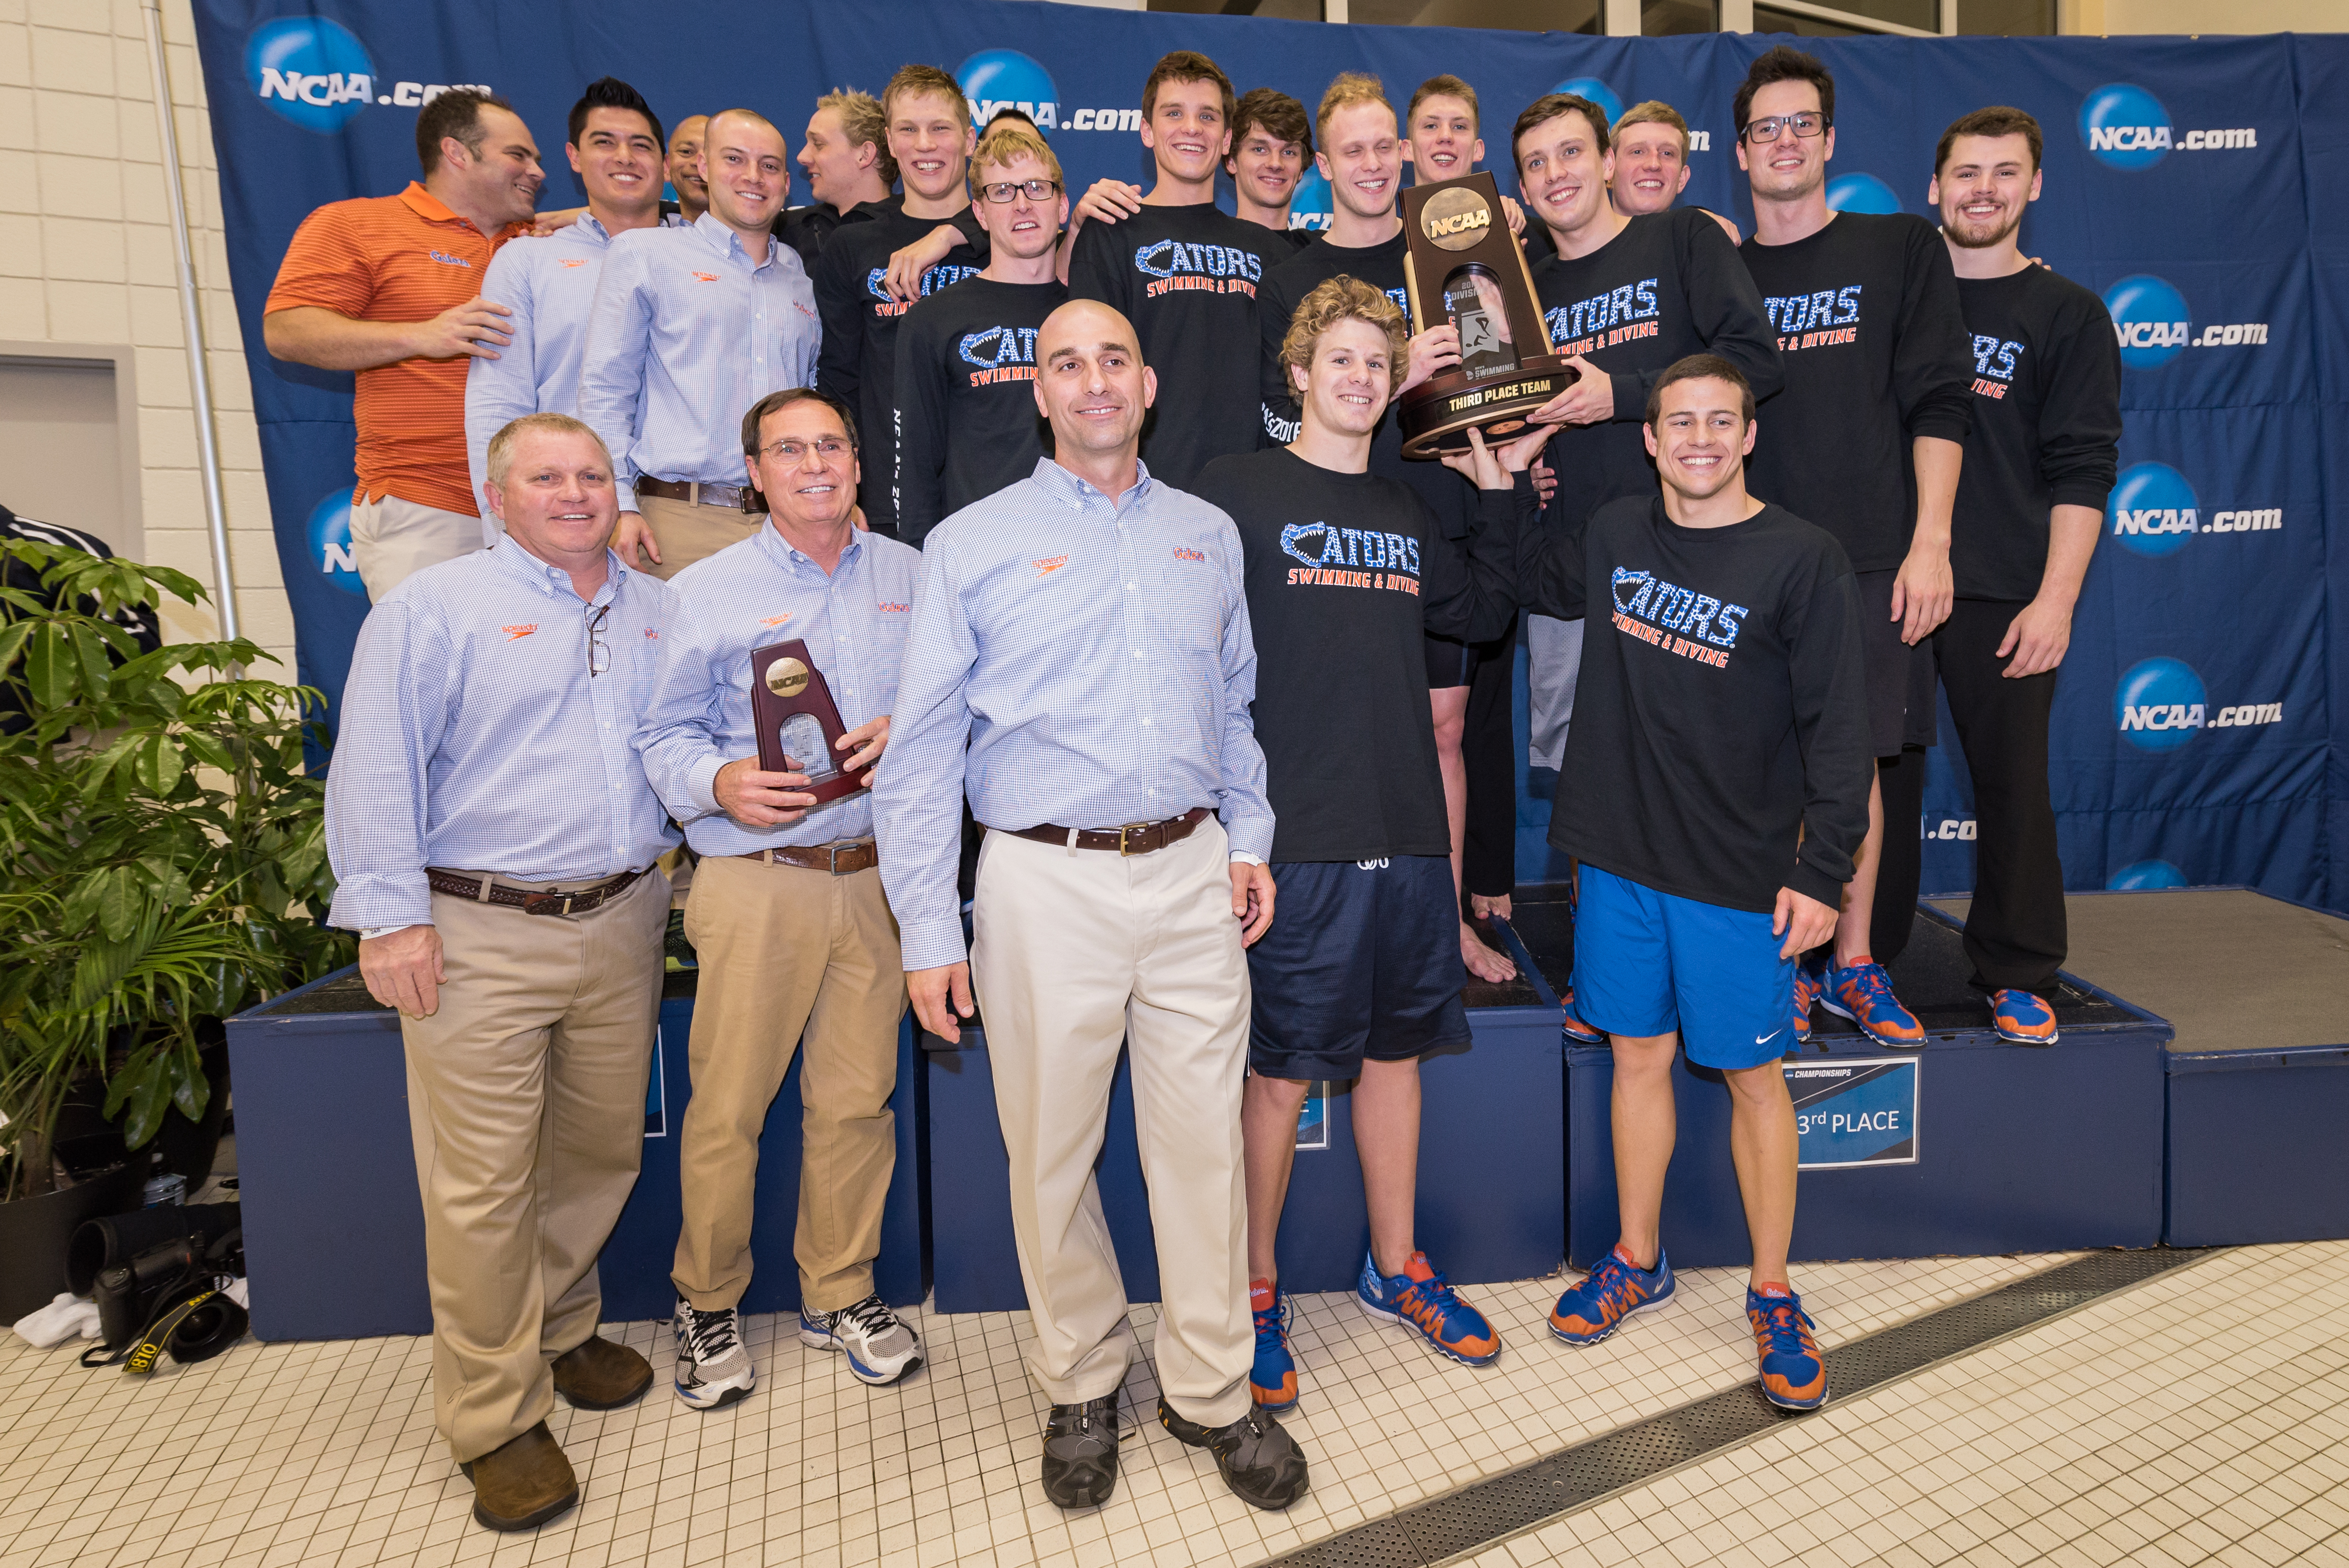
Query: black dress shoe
x=1081, y=1453
x=1261, y=1463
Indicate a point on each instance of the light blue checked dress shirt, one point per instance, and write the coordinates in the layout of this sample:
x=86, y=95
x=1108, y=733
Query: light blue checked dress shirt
x=749, y=595
x=684, y=335
x=1096, y=659
x=550, y=286
x=473, y=738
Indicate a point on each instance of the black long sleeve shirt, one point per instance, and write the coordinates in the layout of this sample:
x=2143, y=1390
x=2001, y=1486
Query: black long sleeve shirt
x=1345, y=575
x=2046, y=424
x=1875, y=355
x=966, y=422
x=1720, y=748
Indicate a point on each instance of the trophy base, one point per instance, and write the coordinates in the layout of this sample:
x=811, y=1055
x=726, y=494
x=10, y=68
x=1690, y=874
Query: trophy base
x=836, y=788
x=1437, y=415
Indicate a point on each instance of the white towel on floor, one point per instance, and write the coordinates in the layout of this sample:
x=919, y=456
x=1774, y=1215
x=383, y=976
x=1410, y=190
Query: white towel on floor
x=70, y=1316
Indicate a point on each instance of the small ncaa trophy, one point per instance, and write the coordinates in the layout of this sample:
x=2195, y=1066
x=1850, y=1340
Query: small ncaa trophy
x=1462, y=265
x=799, y=723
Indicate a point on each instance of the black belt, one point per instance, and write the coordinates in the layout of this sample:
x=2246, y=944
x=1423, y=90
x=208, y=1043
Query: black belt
x=1134, y=839
x=486, y=890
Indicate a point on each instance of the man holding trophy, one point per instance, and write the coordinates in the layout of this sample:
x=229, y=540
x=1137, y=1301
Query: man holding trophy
x=773, y=647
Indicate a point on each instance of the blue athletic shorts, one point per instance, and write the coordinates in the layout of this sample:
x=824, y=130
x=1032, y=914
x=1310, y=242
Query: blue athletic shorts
x=1362, y=959
x=1647, y=963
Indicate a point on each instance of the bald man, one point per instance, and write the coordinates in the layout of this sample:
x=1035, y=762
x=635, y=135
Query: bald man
x=1083, y=635
x=690, y=328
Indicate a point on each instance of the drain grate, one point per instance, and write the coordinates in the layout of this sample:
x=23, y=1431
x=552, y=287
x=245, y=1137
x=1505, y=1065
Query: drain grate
x=1476, y=1515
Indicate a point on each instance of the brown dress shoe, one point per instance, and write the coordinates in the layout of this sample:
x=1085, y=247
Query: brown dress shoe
x=598, y=1374
x=522, y=1482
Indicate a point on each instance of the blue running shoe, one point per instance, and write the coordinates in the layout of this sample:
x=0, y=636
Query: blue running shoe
x=1617, y=1289
x=1863, y=992
x=1273, y=1382
x=1810, y=984
x=1571, y=1022
x=1794, y=1374
x=2020, y=1016
x=1420, y=1300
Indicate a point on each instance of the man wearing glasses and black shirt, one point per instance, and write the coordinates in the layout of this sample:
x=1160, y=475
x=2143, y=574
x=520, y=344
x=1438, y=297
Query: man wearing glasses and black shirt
x=1871, y=429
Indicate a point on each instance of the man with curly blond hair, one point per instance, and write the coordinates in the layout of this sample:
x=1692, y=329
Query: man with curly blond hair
x=1346, y=571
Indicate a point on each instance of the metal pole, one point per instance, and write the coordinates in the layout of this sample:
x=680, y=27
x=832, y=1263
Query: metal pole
x=200, y=381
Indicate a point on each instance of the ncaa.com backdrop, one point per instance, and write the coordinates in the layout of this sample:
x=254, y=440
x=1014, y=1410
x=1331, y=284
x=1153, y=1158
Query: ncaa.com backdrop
x=2193, y=738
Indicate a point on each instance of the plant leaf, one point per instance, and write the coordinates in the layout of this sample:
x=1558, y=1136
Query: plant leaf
x=46, y=672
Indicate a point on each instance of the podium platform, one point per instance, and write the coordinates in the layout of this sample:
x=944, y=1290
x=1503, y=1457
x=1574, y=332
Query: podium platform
x=1492, y=1187
x=1968, y=1146
x=333, y=1227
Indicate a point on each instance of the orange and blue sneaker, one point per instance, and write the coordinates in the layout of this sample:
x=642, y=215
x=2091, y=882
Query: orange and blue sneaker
x=1617, y=1289
x=1575, y=1029
x=2020, y=1016
x=1862, y=992
x=1794, y=1374
x=1420, y=1300
x=1273, y=1382
x=1809, y=984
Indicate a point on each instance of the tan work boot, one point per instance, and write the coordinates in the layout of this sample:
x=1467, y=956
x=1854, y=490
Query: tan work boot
x=522, y=1482
x=598, y=1374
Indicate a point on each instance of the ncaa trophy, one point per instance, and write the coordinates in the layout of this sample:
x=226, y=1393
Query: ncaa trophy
x=798, y=723
x=1460, y=264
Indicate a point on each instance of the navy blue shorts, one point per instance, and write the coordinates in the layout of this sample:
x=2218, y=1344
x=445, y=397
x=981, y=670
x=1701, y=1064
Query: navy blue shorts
x=1362, y=959
x=1647, y=963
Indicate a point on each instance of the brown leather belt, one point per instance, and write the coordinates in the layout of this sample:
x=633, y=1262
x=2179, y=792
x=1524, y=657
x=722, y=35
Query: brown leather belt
x=487, y=889
x=726, y=497
x=840, y=860
x=1134, y=839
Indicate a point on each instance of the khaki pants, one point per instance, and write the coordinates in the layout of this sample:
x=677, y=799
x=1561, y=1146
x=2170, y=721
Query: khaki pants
x=788, y=956
x=392, y=540
x=526, y=1101
x=687, y=533
x=1553, y=670
x=1074, y=951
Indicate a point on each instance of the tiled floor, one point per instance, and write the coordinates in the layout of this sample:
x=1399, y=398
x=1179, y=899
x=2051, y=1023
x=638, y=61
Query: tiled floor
x=2203, y=1416
x=324, y=1453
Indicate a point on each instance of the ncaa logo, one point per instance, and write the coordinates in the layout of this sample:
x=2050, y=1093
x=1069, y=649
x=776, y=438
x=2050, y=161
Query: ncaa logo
x=995, y=79
x=1861, y=193
x=2145, y=874
x=1309, y=207
x=310, y=70
x=2153, y=509
x=329, y=533
x=2151, y=318
x=1597, y=92
x=2126, y=126
x=2159, y=704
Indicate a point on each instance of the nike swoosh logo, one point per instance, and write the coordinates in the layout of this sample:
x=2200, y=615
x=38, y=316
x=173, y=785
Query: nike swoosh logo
x=1765, y=1039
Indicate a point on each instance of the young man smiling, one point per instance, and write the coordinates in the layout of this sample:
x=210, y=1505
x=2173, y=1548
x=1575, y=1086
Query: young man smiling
x=966, y=421
x=1871, y=432
x=1651, y=166
x=1272, y=144
x=1707, y=866
x=1184, y=273
x=1361, y=158
x=930, y=140
x=1348, y=570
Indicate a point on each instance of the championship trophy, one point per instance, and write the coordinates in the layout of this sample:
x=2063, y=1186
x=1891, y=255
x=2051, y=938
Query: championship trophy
x=798, y=723
x=1462, y=265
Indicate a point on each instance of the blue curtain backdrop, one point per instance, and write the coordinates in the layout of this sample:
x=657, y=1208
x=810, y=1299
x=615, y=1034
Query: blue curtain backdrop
x=2196, y=738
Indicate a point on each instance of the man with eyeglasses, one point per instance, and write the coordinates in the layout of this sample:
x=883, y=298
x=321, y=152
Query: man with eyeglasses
x=966, y=422
x=516, y=928
x=796, y=942
x=1869, y=437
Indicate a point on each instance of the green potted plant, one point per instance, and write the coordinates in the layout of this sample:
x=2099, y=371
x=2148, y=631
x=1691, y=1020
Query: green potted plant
x=165, y=865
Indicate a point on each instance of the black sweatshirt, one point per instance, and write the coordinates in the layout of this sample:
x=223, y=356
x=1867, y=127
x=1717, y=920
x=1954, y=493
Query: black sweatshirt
x=1452, y=497
x=1186, y=278
x=1721, y=715
x=858, y=360
x=2047, y=425
x=966, y=420
x=1346, y=573
x=1875, y=355
x=1668, y=286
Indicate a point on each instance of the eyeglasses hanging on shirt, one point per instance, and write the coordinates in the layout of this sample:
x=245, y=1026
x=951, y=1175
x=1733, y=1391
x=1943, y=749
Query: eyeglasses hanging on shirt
x=599, y=652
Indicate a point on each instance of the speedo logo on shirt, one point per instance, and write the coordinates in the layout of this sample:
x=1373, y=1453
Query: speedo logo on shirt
x=1001, y=354
x=1676, y=619
x=1995, y=364
x=1178, y=266
x=1618, y=315
x=942, y=276
x=1817, y=320
x=1327, y=553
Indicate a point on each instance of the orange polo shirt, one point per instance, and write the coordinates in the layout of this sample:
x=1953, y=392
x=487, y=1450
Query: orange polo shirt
x=397, y=258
